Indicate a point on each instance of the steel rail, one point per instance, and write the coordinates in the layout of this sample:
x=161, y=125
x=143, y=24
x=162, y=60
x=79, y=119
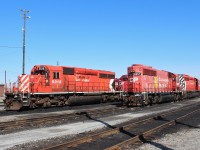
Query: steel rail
x=7, y=125
x=88, y=139
x=137, y=138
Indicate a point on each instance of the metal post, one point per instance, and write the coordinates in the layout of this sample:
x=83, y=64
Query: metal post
x=24, y=38
x=5, y=86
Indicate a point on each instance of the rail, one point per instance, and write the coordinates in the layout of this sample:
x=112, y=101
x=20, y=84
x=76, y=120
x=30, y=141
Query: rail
x=8, y=126
x=116, y=130
x=148, y=133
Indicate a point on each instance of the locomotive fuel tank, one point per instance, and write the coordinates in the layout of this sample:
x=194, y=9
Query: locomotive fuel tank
x=166, y=97
x=83, y=100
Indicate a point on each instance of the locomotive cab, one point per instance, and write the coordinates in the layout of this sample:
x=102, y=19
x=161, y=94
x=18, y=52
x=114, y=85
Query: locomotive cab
x=43, y=71
x=134, y=79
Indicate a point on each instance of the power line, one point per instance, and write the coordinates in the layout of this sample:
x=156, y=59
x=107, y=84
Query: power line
x=7, y=53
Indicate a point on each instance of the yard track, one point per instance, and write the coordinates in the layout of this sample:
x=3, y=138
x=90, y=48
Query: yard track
x=138, y=135
x=142, y=138
x=9, y=126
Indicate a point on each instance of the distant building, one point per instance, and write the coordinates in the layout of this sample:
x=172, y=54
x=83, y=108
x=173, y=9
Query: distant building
x=1, y=90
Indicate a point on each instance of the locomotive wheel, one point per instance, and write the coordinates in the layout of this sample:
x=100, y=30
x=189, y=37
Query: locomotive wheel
x=150, y=100
x=141, y=103
x=47, y=104
x=32, y=105
x=60, y=103
x=147, y=102
x=112, y=98
x=181, y=97
x=132, y=101
x=156, y=99
x=44, y=105
x=178, y=97
x=105, y=98
x=125, y=100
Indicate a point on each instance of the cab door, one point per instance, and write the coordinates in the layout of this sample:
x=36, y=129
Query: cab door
x=134, y=82
x=57, y=81
x=174, y=82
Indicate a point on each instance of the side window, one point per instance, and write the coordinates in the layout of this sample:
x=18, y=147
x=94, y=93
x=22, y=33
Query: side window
x=56, y=75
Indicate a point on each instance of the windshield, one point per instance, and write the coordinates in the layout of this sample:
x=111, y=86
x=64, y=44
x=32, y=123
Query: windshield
x=41, y=70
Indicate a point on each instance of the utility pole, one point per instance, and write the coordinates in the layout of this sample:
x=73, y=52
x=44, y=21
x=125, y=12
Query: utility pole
x=5, y=86
x=24, y=15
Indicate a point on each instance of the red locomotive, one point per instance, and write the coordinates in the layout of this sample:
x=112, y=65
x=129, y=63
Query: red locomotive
x=60, y=85
x=121, y=84
x=147, y=85
x=198, y=85
x=189, y=86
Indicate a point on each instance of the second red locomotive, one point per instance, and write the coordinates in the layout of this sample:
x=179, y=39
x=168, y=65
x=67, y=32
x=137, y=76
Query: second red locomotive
x=147, y=85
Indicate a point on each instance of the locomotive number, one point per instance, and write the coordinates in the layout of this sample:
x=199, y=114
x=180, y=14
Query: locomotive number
x=56, y=81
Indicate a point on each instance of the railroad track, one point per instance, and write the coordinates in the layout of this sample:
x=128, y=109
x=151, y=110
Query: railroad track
x=148, y=134
x=135, y=137
x=9, y=126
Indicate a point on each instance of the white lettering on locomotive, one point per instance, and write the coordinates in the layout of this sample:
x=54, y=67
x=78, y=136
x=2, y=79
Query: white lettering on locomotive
x=134, y=79
x=56, y=81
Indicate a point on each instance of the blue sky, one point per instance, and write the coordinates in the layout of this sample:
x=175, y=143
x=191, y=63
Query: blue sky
x=101, y=34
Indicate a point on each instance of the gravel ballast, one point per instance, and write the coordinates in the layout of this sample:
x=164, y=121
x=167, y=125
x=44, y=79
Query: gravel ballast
x=71, y=129
x=186, y=139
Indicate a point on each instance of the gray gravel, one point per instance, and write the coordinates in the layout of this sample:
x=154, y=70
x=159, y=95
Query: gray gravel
x=71, y=129
x=9, y=140
x=183, y=140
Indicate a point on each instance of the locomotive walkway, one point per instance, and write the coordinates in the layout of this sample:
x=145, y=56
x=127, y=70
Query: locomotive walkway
x=65, y=132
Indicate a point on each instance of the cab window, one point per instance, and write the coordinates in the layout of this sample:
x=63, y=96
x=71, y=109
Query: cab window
x=56, y=75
